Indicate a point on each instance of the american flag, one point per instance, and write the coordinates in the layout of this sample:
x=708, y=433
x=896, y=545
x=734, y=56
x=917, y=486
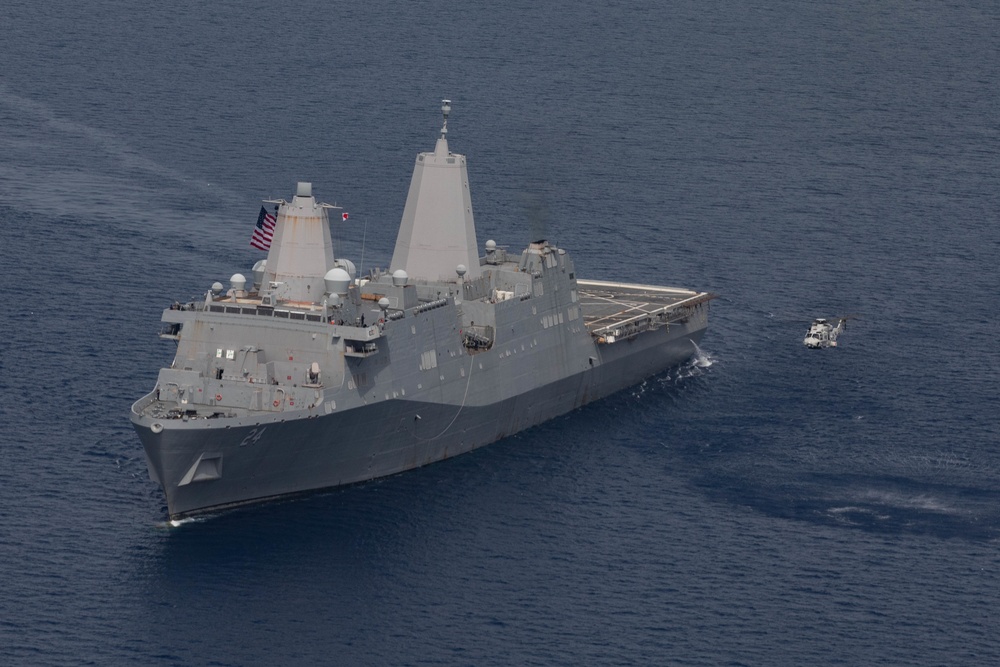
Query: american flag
x=263, y=231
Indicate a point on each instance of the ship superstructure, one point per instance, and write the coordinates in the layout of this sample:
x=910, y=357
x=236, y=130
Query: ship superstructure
x=312, y=377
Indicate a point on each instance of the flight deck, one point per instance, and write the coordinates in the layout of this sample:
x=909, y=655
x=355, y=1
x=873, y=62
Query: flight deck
x=612, y=310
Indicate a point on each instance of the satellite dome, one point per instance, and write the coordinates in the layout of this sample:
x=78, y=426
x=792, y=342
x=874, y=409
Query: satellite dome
x=399, y=277
x=491, y=245
x=217, y=288
x=337, y=281
x=346, y=265
x=258, y=271
x=238, y=281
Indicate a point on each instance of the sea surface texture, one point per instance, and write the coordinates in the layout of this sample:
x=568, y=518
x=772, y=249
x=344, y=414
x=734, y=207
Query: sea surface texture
x=765, y=504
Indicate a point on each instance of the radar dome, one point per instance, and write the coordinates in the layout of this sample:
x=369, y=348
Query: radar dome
x=346, y=265
x=217, y=288
x=337, y=281
x=238, y=281
x=399, y=277
x=258, y=272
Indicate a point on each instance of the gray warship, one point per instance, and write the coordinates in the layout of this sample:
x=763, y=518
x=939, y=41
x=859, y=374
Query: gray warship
x=312, y=377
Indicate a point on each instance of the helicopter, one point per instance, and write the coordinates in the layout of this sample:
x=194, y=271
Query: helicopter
x=822, y=333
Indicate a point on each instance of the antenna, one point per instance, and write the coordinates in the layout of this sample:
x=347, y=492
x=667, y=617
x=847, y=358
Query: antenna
x=445, y=110
x=364, y=234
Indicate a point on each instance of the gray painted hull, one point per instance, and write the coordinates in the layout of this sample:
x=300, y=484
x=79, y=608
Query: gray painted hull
x=296, y=454
x=310, y=378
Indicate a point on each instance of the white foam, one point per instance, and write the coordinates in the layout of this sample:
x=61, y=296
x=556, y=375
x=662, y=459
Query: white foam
x=701, y=359
x=176, y=523
x=852, y=509
x=918, y=502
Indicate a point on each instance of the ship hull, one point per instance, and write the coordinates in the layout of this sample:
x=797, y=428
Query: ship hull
x=205, y=467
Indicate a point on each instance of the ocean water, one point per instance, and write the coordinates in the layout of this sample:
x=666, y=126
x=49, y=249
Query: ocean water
x=765, y=504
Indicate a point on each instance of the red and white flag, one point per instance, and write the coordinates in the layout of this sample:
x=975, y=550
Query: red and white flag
x=263, y=231
x=343, y=217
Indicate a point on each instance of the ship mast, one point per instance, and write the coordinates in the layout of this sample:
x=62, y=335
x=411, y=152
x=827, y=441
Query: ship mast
x=302, y=250
x=437, y=232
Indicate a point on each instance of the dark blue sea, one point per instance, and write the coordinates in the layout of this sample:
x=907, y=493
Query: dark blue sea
x=773, y=505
